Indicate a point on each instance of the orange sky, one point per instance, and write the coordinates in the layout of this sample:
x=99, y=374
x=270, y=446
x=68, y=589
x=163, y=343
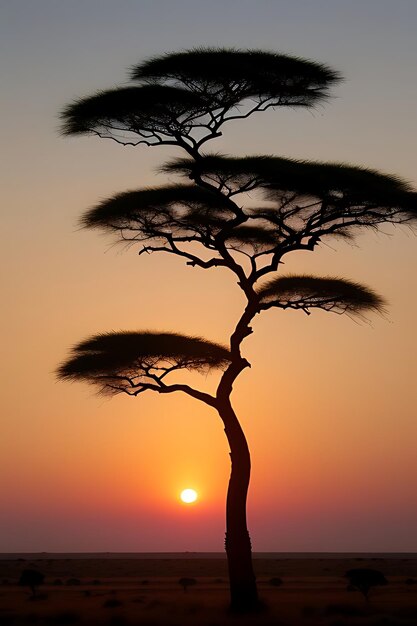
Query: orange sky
x=328, y=405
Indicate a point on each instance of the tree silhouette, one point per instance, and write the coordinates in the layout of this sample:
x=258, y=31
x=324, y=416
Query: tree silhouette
x=184, y=99
x=31, y=578
x=363, y=579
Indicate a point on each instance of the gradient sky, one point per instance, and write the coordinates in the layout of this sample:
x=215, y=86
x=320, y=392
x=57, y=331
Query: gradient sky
x=328, y=406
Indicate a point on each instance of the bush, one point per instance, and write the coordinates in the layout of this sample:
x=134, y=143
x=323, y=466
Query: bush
x=112, y=603
x=31, y=578
x=275, y=581
x=187, y=582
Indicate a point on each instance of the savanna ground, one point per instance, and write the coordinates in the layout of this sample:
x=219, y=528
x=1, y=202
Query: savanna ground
x=146, y=592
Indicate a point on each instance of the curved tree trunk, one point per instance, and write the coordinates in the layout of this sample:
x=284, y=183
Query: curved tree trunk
x=243, y=591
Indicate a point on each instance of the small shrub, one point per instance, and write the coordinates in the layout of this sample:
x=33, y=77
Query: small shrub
x=410, y=581
x=57, y=582
x=112, y=603
x=275, y=581
x=71, y=582
x=187, y=582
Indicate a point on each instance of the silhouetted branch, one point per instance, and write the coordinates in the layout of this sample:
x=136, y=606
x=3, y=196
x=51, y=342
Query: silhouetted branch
x=193, y=260
x=329, y=294
x=180, y=95
x=194, y=393
x=127, y=361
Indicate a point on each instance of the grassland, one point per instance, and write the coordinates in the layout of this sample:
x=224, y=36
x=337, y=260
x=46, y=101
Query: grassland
x=146, y=592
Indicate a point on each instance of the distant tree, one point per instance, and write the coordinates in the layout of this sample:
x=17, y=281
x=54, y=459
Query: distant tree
x=187, y=582
x=184, y=100
x=31, y=578
x=363, y=579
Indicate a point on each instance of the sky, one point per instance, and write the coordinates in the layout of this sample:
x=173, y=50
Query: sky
x=328, y=405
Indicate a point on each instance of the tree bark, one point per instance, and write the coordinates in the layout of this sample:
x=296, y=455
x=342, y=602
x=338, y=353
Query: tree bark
x=243, y=590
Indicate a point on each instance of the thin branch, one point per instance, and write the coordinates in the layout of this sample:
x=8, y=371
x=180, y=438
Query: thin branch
x=194, y=393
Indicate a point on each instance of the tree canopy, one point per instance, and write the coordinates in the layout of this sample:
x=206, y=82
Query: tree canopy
x=135, y=361
x=292, y=205
x=330, y=294
x=184, y=98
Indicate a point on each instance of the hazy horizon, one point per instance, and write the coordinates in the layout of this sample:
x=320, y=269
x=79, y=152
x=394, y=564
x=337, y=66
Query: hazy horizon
x=198, y=555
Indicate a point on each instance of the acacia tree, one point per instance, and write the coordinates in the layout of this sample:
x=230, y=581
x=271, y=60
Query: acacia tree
x=184, y=100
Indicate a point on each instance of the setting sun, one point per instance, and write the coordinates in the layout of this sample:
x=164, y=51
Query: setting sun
x=188, y=496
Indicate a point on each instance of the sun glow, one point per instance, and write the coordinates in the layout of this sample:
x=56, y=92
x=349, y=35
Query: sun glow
x=188, y=496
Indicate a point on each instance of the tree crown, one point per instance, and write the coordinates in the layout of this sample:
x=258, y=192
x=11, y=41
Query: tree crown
x=184, y=98
x=230, y=75
x=302, y=202
x=330, y=294
x=130, y=360
x=243, y=213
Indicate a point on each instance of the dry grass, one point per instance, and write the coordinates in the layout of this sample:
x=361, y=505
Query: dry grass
x=313, y=593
